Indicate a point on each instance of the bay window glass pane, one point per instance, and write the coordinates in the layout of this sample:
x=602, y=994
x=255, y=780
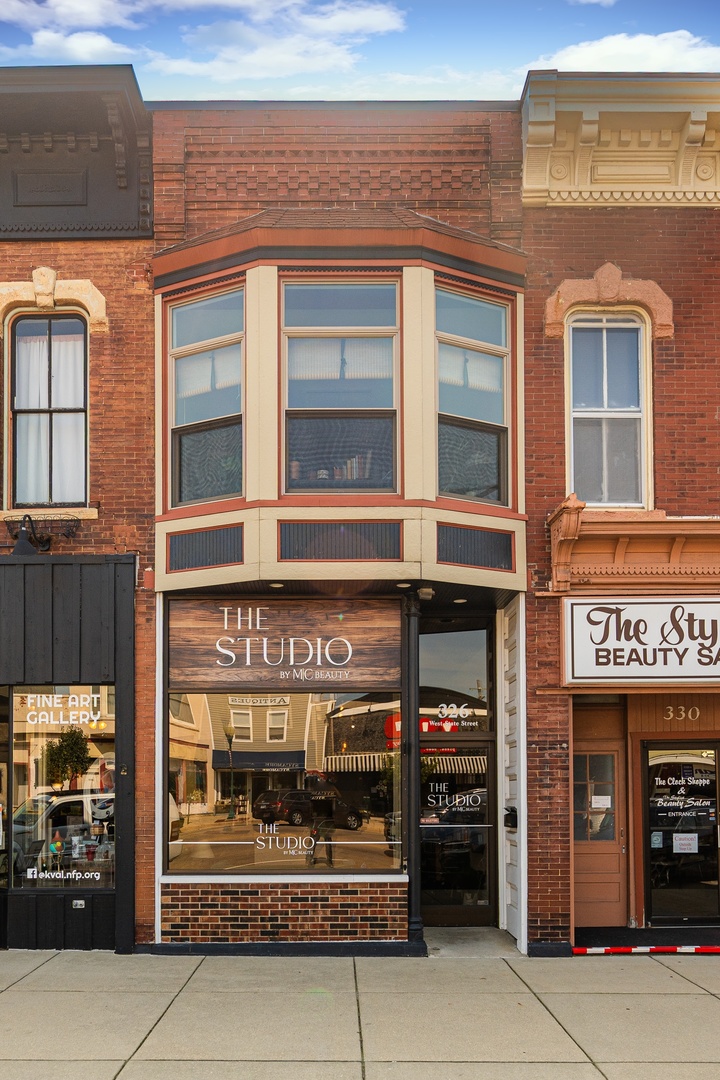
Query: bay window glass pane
x=209, y=462
x=68, y=458
x=204, y=320
x=471, y=461
x=468, y=317
x=325, y=799
x=341, y=305
x=32, y=458
x=340, y=373
x=68, y=364
x=470, y=384
x=587, y=368
x=207, y=385
x=31, y=364
x=623, y=368
x=326, y=452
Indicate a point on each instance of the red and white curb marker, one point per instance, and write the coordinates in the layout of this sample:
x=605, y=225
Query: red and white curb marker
x=629, y=950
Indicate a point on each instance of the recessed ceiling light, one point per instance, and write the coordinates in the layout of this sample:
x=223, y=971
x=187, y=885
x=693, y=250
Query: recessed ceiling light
x=277, y=585
x=460, y=600
x=403, y=584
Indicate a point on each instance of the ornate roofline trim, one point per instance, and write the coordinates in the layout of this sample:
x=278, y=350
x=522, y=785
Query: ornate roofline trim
x=607, y=288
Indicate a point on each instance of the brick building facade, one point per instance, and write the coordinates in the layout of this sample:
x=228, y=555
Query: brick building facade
x=395, y=399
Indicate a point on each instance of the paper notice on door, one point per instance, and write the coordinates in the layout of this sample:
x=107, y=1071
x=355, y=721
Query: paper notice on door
x=601, y=802
x=685, y=843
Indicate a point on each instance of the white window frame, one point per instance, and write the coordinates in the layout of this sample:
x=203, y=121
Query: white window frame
x=234, y=715
x=504, y=354
x=629, y=316
x=293, y=333
x=10, y=497
x=175, y=354
x=275, y=713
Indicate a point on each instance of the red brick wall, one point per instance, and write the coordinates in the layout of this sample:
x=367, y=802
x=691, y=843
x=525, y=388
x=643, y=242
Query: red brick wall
x=122, y=448
x=678, y=249
x=456, y=163
x=284, y=911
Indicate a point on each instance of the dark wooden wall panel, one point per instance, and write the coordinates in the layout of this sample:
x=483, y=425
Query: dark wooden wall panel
x=38, y=623
x=66, y=624
x=12, y=623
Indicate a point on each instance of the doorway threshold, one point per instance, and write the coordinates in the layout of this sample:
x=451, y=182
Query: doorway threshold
x=485, y=942
x=614, y=940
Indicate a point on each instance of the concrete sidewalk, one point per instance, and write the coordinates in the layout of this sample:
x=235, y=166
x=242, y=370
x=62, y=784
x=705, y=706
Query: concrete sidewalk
x=475, y=1009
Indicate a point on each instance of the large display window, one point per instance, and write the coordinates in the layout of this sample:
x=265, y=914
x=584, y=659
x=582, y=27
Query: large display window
x=62, y=832
x=328, y=800
x=283, y=737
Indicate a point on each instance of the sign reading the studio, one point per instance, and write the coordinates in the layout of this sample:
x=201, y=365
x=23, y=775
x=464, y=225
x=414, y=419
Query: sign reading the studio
x=309, y=645
x=642, y=641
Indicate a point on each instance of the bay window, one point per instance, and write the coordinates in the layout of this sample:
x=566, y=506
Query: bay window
x=206, y=354
x=472, y=350
x=340, y=356
x=49, y=401
x=607, y=421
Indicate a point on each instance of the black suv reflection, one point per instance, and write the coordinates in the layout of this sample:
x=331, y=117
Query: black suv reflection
x=299, y=807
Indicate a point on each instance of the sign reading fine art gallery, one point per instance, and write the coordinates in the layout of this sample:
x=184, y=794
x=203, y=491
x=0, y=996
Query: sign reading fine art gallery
x=642, y=641
x=299, y=645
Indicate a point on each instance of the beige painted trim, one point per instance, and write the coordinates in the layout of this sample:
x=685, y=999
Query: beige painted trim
x=162, y=434
x=262, y=372
x=518, y=420
x=46, y=293
x=418, y=415
x=599, y=139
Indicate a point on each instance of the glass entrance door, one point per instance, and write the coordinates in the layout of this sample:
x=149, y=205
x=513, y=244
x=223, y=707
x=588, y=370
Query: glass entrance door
x=682, y=834
x=457, y=837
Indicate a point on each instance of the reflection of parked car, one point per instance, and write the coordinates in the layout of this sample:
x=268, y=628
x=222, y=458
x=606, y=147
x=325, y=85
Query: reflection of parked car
x=65, y=813
x=298, y=807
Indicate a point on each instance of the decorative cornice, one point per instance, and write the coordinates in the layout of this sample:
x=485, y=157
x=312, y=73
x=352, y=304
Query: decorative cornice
x=638, y=551
x=607, y=288
x=621, y=140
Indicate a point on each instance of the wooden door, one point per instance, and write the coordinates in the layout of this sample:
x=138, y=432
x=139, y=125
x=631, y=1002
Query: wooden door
x=600, y=834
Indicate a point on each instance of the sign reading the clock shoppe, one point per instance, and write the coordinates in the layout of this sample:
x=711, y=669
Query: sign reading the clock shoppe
x=304, y=644
x=642, y=641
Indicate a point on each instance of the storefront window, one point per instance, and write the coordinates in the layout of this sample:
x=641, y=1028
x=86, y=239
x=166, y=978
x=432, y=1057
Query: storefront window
x=63, y=790
x=316, y=791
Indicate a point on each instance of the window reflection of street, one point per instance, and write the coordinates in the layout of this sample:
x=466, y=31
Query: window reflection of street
x=209, y=842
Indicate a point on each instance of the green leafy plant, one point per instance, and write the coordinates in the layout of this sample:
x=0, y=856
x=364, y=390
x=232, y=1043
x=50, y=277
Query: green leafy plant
x=66, y=757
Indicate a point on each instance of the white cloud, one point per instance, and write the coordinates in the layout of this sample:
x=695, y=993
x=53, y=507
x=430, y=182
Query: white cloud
x=600, y=3
x=66, y=15
x=85, y=47
x=677, y=50
x=301, y=39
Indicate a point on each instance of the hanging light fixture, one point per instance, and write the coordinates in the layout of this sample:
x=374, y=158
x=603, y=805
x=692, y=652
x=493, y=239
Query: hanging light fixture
x=23, y=545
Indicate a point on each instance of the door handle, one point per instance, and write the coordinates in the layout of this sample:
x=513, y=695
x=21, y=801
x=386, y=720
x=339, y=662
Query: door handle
x=623, y=850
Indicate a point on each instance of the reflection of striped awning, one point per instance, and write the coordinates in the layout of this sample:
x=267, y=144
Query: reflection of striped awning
x=444, y=763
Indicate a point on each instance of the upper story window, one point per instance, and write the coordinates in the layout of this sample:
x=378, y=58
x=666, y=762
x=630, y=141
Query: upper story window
x=341, y=343
x=608, y=429
x=206, y=356
x=242, y=723
x=49, y=411
x=472, y=398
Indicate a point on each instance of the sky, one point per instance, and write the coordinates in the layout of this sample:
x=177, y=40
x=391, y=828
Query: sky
x=358, y=49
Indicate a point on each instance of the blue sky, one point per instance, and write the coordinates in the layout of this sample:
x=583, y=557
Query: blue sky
x=358, y=49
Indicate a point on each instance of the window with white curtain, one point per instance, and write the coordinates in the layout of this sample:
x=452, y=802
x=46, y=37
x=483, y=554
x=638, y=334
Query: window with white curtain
x=472, y=358
x=49, y=411
x=340, y=341
x=608, y=393
x=206, y=356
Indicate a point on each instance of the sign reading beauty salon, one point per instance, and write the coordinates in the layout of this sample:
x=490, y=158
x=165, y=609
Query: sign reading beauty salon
x=302, y=645
x=642, y=641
